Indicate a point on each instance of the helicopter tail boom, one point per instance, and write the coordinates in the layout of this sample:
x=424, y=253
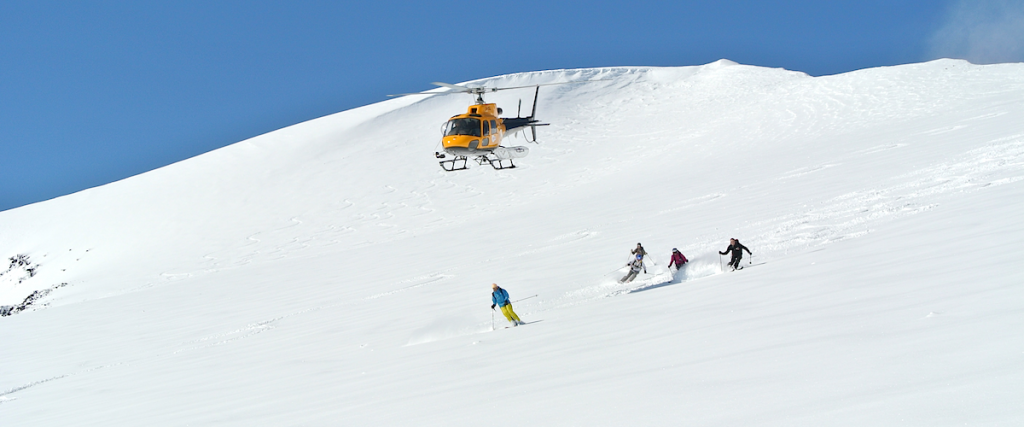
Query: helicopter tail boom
x=516, y=124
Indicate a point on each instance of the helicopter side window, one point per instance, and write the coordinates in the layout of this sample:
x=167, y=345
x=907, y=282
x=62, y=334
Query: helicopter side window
x=494, y=126
x=470, y=127
x=487, y=127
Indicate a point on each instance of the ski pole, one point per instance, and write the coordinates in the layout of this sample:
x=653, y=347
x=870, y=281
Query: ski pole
x=720, y=264
x=531, y=296
x=492, y=319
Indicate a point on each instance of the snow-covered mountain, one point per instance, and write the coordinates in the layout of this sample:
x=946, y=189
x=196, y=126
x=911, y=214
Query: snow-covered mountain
x=330, y=273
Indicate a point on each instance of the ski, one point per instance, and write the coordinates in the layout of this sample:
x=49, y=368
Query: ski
x=523, y=323
x=749, y=265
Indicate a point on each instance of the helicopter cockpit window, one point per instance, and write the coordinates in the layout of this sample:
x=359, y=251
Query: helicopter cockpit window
x=470, y=127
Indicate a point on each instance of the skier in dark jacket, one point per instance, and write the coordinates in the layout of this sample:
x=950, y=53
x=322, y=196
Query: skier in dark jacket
x=737, y=253
x=678, y=259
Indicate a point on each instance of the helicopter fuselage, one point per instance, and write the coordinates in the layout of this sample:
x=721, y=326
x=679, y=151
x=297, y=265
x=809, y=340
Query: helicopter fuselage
x=476, y=132
x=480, y=130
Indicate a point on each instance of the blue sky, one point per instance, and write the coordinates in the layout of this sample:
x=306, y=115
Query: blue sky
x=93, y=92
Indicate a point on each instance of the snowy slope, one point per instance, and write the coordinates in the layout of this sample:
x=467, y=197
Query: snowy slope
x=330, y=273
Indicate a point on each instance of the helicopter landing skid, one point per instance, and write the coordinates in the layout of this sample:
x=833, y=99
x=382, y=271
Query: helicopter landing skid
x=450, y=165
x=487, y=159
x=495, y=162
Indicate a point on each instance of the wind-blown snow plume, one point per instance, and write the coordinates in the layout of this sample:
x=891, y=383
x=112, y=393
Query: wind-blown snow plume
x=982, y=31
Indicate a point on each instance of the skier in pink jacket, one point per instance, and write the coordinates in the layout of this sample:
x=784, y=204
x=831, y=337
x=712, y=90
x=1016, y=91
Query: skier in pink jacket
x=678, y=259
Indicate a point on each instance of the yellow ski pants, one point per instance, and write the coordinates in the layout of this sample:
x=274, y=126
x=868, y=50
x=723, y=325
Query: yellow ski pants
x=509, y=314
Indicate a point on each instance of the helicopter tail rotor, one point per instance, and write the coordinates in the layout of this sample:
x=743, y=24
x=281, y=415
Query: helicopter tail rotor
x=533, y=130
x=519, y=123
x=533, y=114
x=532, y=120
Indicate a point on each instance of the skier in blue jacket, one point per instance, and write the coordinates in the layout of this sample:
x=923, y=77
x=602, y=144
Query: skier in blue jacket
x=499, y=297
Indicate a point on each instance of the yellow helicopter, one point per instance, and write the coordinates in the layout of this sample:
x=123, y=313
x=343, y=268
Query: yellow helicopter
x=478, y=133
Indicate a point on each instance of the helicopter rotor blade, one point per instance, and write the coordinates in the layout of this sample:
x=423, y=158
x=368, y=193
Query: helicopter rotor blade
x=456, y=89
x=545, y=84
x=483, y=89
x=495, y=89
x=453, y=87
x=524, y=87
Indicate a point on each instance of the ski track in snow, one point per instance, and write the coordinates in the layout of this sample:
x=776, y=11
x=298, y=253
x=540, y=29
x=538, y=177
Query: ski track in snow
x=235, y=335
x=880, y=148
x=416, y=283
x=13, y=390
x=851, y=215
x=804, y=171
x=691, y=203
x=206, y=342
